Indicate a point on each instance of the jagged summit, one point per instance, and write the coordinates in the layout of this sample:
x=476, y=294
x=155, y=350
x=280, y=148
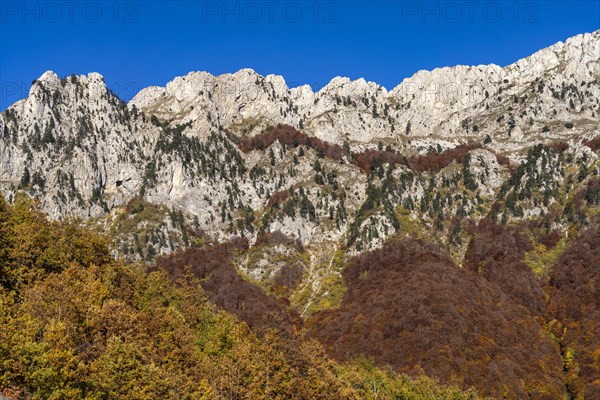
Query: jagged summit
x=205, y=144
x=434, y=102
x=465, y=185
x=49, y=77
x=580, y=49
x=50, y=84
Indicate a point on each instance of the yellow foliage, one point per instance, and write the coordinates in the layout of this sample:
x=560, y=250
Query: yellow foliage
x=541, y=259
x=77, y=324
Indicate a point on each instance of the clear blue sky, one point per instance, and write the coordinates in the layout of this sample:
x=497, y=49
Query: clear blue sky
x=135, y=44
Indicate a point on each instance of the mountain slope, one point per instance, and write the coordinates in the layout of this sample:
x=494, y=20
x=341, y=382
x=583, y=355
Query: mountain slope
x=496, y=168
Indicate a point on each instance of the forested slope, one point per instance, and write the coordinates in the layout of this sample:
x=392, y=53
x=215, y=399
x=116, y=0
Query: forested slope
x=77, y=324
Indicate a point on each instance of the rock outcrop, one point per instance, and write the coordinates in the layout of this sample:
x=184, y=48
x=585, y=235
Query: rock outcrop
x=85, y=153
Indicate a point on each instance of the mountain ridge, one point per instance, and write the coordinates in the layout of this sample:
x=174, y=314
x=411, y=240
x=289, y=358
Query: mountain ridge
x=313, y=182
x=558, y=45
x=109, y=146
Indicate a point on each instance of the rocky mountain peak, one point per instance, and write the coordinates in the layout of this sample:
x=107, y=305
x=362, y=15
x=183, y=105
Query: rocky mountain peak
x=380, y=218
x=235, y=153
x=48, y=79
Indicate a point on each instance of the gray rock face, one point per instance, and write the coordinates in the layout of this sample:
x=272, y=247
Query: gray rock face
x=559, y=83
x=76, y=144
x=86, y=153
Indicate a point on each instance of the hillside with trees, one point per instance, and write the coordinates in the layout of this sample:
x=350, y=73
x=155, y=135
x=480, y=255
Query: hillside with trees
x=229, y=237
x=409, y=306
x=78, y=324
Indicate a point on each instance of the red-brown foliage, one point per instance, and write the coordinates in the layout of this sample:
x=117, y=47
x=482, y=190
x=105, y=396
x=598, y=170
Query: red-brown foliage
x=496, y=252
x=549, y=239
x=364, y=160
x=277, y=237
x=589, y=195
x=224, y=287
x=574, y=291
x=409, y=306
x=559, y=146
x=593, y=144
x=437, y=161
x=278, y=198
x=422, y=163
x=290, y=136
x=289, y=276
x=503, y=160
